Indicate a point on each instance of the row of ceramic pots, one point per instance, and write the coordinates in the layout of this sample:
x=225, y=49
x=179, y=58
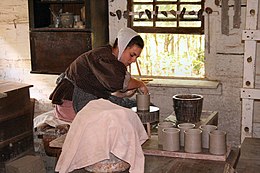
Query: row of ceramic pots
x=192, y=139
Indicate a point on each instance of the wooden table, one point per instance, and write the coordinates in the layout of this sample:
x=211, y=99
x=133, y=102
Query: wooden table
x=249, y=161
x=161, y=164
x=159, y=161
x=156, y=164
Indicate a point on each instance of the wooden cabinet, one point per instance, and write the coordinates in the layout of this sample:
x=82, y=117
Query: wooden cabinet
x=54, y=51
x=55, y=45
x=16, y=121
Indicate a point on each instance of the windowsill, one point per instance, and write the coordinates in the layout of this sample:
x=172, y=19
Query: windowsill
x=184, y=83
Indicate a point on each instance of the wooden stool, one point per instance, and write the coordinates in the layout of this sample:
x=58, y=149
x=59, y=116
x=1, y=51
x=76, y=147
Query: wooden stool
x=112, y=165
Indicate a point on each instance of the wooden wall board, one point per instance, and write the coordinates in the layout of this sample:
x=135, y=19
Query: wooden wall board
x=224, y=18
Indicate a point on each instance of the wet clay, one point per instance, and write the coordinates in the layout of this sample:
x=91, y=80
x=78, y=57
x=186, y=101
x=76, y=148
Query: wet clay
x=143, y=102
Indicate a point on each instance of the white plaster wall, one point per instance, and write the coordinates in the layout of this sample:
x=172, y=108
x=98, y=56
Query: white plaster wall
x=224, y=63
x=15, y=62
x=15, y=65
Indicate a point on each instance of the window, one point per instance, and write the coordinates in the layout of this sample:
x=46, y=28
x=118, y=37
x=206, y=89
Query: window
x=173, y=32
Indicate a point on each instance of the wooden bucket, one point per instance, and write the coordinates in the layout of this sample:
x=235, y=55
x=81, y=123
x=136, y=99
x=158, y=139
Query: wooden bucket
x=187, y=107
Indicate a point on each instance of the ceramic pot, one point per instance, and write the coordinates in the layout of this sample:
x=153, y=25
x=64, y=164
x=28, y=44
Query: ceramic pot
x=183, y=127
x=192, y=139
x=206, y=129
x=218, y=142
x=143, y=102
x=67, y=20
x=161, y=126
x=171, y=139
x=187, y=107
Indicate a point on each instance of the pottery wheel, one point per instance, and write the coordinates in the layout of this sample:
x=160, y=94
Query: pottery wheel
x=150, y=116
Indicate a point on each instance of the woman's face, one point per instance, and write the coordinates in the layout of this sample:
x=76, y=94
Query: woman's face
x=130, y=55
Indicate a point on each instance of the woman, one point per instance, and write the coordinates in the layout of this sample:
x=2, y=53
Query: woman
x=100, y=73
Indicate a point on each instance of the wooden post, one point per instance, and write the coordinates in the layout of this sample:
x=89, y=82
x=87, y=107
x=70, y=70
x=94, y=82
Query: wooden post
x=250, y=37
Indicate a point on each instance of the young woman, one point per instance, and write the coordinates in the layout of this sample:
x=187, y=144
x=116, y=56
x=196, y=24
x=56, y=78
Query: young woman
x=100, y=73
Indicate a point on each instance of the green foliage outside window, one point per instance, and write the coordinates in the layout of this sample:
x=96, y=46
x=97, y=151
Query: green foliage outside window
x=171, y=55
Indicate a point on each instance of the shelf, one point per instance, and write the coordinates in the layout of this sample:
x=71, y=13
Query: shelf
x=53, y=49
x=62, y=1
x=44, y=29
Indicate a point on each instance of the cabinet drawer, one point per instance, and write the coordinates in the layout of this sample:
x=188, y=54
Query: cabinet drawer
x=15, y=103
x=16, y=126
x=17, y=147
x=52, y=52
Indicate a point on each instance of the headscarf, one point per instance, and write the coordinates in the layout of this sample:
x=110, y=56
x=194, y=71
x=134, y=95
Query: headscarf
x=124, y=36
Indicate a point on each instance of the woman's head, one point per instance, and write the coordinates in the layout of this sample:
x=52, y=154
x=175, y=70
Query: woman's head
x=129, y=45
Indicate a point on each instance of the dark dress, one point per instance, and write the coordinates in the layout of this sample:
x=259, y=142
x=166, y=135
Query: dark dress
x=93, y=75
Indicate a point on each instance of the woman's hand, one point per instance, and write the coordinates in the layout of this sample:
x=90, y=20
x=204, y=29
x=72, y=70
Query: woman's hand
x=137, y=84
x=143, y=88
x=128, y=93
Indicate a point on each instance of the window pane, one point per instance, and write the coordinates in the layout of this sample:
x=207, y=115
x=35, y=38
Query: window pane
x=166, y=24
x=190, y=1
x=189, y=24
x=139, y=9
x=171, y=55
x=167, y=9
x=167, y=0
x=143, y=23
x=190, y=9
x=143, y=1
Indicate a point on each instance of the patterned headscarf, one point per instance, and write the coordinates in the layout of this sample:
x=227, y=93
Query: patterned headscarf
x=124, y=37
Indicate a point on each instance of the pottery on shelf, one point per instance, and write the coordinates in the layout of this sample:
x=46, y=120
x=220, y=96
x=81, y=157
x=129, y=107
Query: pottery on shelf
x=192, y=139
x=188, y=107
x=171, y=139
x=183, y=127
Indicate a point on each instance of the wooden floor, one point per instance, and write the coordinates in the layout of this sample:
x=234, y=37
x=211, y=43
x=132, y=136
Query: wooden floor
x=249, y=161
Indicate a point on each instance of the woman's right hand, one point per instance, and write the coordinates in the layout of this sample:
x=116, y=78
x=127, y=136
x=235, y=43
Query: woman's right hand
x=143, y=88
x=137, y=84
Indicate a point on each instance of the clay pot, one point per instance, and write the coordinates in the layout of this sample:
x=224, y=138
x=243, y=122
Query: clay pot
x=206, y=129
x=143, y=102
x=192, y=139
x=183, y=127
x=188, y=107
x=171, y=139
x=218, y=142
x=67, y=20
x=161, y=126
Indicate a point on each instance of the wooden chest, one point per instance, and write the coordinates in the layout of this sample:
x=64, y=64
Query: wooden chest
x=16, y=121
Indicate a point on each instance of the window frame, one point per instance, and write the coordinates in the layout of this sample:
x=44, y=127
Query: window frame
x=168, y=30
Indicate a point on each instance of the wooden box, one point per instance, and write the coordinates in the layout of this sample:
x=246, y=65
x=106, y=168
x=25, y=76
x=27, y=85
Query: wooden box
x=16, y=121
